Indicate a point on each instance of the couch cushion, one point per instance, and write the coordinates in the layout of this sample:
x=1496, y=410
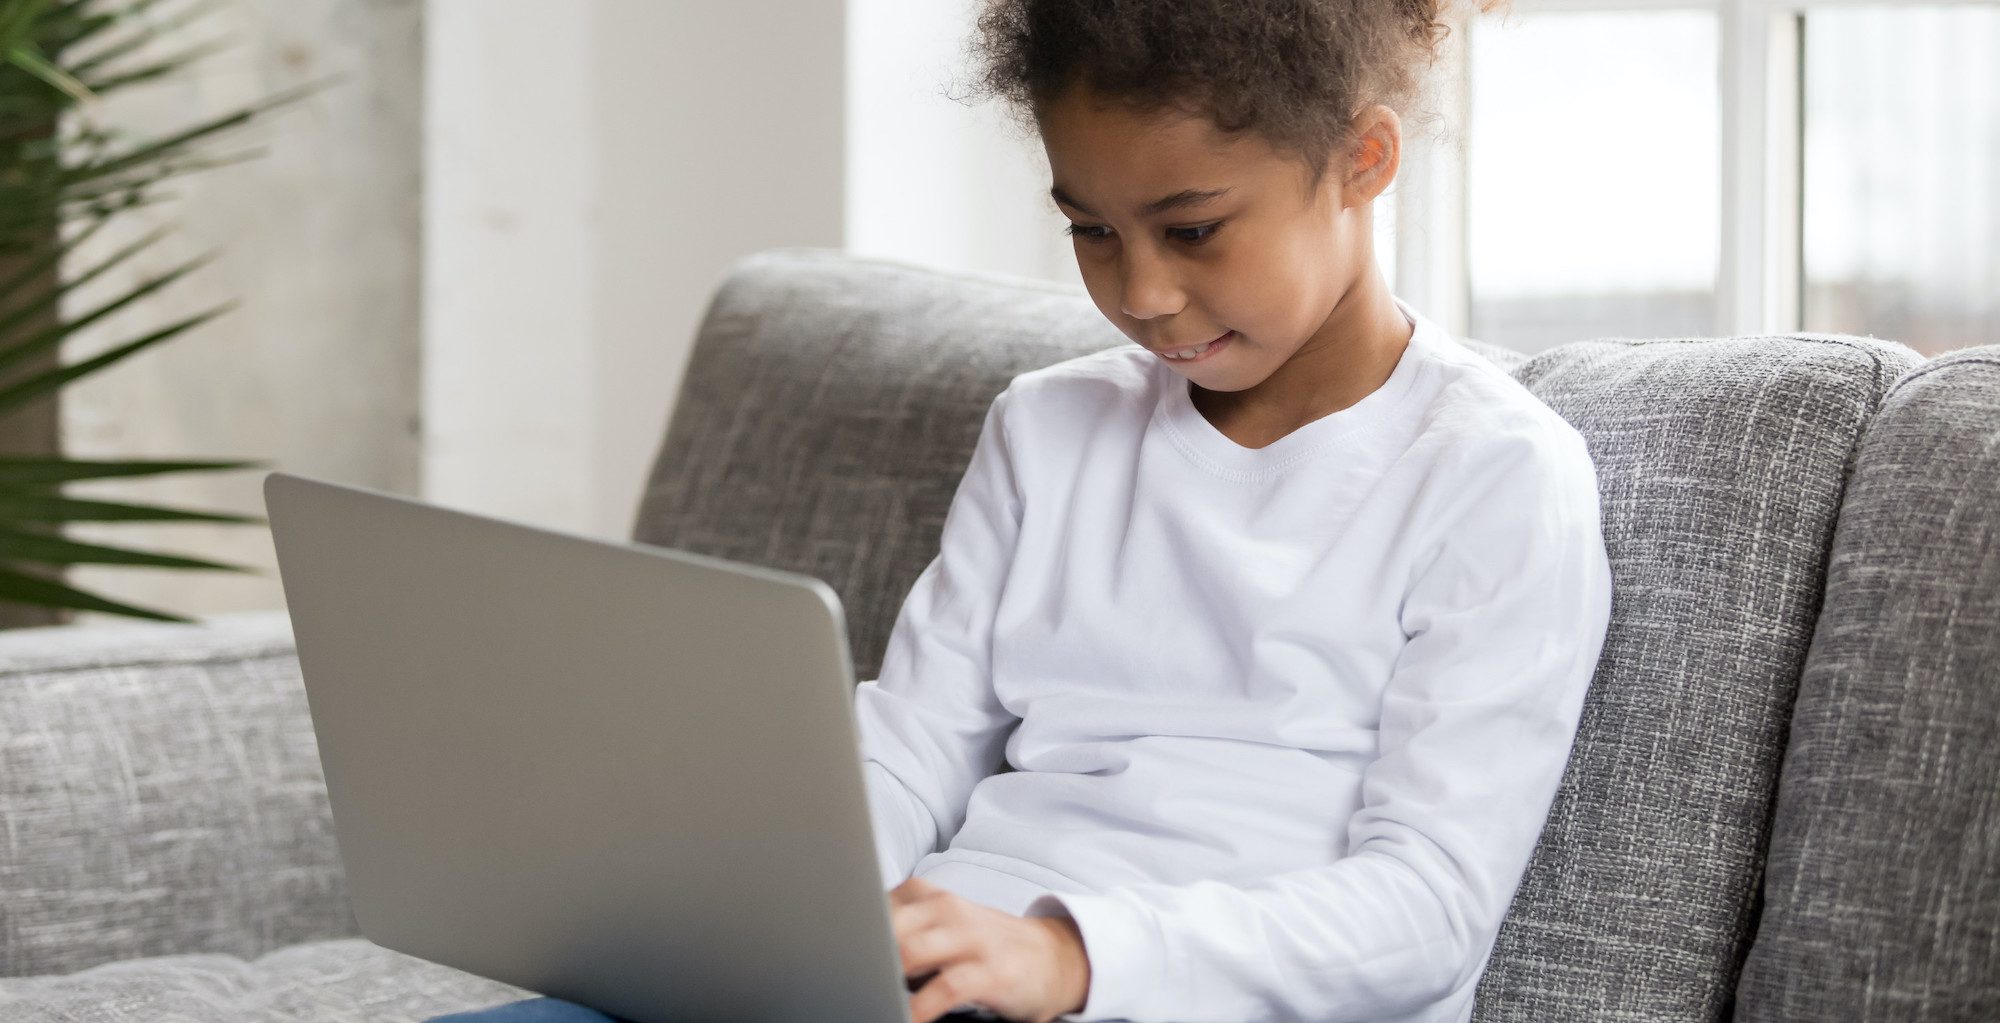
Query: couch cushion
x=1882, y=893
x=349, y=980
x=160, y=792
x=1721, y=464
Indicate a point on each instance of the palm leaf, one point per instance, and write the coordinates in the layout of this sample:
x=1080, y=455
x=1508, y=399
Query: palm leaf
x=68, y=23
x=39, y=205
x=28, y=57
x=43, y=263
x=16, y=471
x=17, y=506
x=21, y=546
x=53, y=296
x=17, y=23
x=49, y=338
x=141, y=36
x=56, y=170
x=128, y=202
x=39, y=209
x=164, y=66
x=14, y=395
x=28, y=589
x=161, y=147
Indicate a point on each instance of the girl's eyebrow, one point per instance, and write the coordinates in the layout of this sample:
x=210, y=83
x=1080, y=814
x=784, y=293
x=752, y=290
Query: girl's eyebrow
x=1183, y=198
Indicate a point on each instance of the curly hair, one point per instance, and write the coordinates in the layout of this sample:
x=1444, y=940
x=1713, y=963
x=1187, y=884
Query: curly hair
x=1293, y=71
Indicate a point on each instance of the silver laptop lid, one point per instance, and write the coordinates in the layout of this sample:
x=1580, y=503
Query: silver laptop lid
x=622, y=775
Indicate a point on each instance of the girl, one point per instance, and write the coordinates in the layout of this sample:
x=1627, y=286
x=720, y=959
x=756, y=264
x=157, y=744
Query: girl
x=1253, y=652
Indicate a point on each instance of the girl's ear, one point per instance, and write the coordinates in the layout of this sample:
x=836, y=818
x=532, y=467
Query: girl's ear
x=1374, y=157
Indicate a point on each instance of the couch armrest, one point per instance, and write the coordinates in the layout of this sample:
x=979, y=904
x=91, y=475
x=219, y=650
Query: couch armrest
x=160, y=792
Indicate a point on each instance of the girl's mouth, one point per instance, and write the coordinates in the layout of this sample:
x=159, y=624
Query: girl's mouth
x=1200, y=352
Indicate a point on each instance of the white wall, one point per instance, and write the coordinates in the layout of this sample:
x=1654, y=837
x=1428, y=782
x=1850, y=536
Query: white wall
x=720, y=125
x=932, y=179
x=589, y=179
x=316, y=240
x=509, y=324
x=472, y=273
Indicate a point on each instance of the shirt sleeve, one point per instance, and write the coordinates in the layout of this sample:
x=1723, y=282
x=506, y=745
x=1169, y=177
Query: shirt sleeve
x=1504, y=619
x=931, y=727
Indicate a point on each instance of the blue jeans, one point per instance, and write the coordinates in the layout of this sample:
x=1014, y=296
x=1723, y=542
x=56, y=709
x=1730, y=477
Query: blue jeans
x=555, y=1010
x=532, y=1010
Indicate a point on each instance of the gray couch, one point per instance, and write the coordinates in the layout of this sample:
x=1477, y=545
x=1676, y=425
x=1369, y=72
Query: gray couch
x=1783, y=803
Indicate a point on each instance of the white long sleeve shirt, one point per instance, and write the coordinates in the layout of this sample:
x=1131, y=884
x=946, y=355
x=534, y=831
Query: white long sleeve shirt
x=1284, y=723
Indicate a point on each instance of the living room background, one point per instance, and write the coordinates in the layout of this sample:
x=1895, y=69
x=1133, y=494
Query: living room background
x=470, y=273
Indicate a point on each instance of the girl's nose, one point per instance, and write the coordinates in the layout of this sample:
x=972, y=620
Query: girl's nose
x=1149, y=289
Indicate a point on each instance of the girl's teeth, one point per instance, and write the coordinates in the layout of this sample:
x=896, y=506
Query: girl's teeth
x=1189, y=353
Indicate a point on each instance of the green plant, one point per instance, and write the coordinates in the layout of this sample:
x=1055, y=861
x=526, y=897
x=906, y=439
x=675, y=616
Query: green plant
x=61, y=175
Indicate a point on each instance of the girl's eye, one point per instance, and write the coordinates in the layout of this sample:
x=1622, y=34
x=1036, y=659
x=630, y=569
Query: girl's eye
x=1195, y=235
x=1190, y=235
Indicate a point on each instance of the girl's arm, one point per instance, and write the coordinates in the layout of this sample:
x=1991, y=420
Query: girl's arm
x=930, y=726
x=1504, y=625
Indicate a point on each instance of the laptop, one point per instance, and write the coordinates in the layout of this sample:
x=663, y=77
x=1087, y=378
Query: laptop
x=620, y=775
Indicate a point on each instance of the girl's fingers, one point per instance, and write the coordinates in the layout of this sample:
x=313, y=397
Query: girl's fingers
x=928, y=931
x=917, y=912
x=928, y=949
x=952, y=987
x=908, y=922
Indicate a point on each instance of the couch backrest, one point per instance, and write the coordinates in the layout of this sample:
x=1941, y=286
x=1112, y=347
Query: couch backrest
x=832, y=402
x=828, y=410
x=1721, y=464
x=1882, y=892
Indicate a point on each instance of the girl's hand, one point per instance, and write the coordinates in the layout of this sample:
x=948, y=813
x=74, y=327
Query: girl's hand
x=1031, y=969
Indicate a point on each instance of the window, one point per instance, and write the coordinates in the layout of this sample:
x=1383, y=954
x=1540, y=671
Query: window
x=1594, y=204
x=1701, y=167
x=1902, y=156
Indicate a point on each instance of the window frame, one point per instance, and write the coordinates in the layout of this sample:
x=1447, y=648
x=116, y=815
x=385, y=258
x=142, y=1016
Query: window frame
x=1758, y=286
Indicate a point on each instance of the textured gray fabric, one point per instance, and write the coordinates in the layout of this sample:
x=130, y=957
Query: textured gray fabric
x=160, y=792
x=1882, y=893
x=1720, y=468
x=829, y=409
x=350, y=980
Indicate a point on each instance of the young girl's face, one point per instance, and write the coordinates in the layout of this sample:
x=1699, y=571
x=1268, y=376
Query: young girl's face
x=1238, y=250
